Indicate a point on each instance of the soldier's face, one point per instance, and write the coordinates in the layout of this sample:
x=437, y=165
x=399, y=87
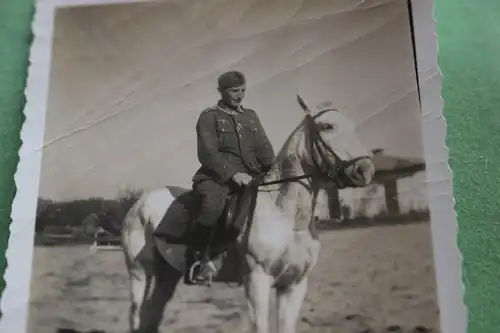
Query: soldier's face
x=233, y=96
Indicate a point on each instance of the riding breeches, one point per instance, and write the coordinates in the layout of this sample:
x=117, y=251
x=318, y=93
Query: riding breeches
x=213, y=198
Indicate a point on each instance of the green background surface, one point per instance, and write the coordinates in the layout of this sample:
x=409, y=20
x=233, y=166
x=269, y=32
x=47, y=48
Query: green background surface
x=469, y=57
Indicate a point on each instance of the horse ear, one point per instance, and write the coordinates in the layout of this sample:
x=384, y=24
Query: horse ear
x=303, y=105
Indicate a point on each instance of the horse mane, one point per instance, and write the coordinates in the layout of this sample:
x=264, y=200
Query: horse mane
x=285, y=156
x=282, y=164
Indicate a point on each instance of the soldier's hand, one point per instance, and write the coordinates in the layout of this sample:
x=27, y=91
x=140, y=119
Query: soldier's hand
x=242, y=178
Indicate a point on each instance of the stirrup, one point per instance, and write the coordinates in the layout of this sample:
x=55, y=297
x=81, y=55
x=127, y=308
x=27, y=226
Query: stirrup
x=199, y=264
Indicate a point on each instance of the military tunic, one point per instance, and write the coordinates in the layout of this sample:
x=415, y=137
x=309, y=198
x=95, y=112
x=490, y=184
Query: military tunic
x=228, y=142
x=231, y=143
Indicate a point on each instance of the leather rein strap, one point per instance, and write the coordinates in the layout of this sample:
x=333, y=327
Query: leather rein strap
x=328, y=170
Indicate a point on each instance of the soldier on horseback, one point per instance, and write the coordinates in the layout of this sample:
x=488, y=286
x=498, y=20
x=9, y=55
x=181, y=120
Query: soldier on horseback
x=232, y=149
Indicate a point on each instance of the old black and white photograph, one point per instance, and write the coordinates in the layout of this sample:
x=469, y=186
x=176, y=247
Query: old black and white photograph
x=233, y=166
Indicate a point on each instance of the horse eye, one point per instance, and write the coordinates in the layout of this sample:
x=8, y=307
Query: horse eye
x=325, y=127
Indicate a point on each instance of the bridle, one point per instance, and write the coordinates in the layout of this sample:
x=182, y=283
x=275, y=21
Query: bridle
x=328, y=171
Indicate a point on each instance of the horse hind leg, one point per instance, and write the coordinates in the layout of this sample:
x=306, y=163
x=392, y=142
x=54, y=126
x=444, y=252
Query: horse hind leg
x=289, y=304
x=140, y=285
x=163, y=284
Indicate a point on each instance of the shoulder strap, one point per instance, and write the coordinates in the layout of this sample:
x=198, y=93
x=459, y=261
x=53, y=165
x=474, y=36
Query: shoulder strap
x=209, y=109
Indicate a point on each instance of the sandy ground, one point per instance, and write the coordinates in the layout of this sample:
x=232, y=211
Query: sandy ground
x=367, y=280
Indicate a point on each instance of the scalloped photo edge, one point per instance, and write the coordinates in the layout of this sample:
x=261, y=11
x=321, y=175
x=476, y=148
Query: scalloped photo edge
x=14, y=304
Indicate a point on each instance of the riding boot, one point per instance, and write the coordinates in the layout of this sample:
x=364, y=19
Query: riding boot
x=200, y=268
x=199, y=235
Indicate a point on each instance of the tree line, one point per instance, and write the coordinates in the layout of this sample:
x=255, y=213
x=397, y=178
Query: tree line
x=108, y=213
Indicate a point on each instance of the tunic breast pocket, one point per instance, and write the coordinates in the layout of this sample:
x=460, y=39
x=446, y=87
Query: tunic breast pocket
x=254, y=129
x=226, y=134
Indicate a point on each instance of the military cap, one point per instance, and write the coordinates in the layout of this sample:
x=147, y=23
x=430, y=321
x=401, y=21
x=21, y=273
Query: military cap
x=231, y=79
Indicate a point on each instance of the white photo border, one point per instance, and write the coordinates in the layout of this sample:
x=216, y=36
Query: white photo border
x=14, y=304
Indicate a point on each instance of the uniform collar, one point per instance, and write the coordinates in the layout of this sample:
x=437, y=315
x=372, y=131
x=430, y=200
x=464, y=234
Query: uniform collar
x=221, y=105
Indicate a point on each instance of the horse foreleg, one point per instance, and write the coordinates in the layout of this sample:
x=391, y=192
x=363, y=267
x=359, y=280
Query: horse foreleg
x=289, y=304
x=257, y=291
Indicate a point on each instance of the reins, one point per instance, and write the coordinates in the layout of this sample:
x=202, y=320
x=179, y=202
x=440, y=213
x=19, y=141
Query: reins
x=285, y=180
x=318, y=143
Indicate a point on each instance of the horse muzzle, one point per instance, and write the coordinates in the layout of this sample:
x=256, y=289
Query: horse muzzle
x=360, y=172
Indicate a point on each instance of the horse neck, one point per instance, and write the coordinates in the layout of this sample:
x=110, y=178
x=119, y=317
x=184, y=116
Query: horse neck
x=293, y=198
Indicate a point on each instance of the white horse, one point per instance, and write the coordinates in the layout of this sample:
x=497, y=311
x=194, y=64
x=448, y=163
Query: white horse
x=278, y=242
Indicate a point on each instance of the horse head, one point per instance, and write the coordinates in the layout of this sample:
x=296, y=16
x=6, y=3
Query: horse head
x=332, y=150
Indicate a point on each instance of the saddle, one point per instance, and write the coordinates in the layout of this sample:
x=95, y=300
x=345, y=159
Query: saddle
x=176, y=233
x=208, y=254
x=239, y=206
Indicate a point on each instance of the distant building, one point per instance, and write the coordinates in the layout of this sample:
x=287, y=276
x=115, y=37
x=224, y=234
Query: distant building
x=103, y=237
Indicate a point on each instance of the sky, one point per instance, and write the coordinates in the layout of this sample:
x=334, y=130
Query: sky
x=129, y=81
